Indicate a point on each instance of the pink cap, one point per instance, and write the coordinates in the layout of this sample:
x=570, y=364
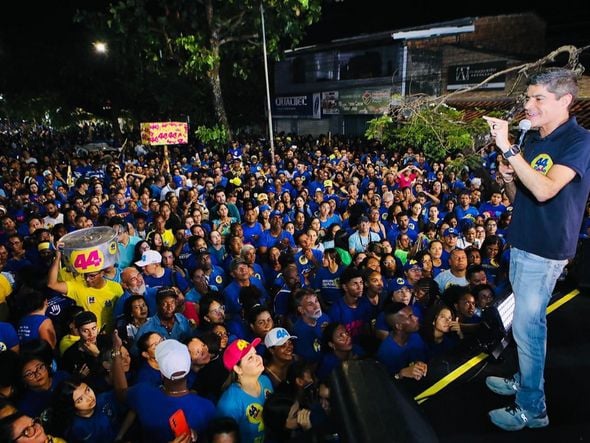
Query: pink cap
x=236, y=351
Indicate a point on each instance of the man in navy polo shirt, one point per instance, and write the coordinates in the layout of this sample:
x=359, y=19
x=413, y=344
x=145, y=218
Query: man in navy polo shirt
x=548, y=184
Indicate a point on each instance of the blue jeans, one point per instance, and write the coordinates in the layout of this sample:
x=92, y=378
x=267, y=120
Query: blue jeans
x=533, y=280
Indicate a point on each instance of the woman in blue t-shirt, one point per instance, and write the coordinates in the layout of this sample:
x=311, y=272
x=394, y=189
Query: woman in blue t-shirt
x=84, y=416
x=327, y=278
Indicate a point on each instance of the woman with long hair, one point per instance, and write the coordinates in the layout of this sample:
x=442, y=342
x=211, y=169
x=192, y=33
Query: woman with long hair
x=326, y=278
x=155, y=241
x=135, y=314
x=38, y=380
x=435, y=248
x=441, y=330
x=375, y=224
x=223, y=222
x=140, y=247
x=82, y=416
x=491, y=255
x=247, y=389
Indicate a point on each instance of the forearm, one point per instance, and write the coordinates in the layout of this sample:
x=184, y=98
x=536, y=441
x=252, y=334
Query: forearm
x=52, y=281
x=119, y=379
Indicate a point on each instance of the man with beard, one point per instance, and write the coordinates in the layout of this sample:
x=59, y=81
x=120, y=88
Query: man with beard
x=309, y=326
x=133, y=284
x=54, y=216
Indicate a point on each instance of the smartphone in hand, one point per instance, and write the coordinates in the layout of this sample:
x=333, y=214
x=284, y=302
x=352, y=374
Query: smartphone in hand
x=178, y=423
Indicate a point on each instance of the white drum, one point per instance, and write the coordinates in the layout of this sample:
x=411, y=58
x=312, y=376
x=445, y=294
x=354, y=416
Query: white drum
x=90, y=249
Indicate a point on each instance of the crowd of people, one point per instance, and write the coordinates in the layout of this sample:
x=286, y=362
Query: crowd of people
x=241, y=281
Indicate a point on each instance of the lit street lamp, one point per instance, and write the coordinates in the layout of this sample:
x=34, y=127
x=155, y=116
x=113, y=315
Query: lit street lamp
x=100, y=47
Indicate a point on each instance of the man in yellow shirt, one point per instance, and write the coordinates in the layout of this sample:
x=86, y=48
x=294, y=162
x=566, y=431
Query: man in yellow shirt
x=94, y=293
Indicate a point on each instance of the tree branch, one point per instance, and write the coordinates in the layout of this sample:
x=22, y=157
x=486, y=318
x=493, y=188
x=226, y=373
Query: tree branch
x=573, y=63
x=240, y=38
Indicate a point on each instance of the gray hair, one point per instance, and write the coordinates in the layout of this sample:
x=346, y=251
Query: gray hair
x=245, y=249
x=558, y=81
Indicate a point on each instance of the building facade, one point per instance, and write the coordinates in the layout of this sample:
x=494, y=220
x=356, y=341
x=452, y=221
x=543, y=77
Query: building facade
x=338, y=87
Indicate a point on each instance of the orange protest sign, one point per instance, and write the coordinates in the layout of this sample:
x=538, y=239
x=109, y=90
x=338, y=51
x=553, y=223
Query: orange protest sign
x=164, y=133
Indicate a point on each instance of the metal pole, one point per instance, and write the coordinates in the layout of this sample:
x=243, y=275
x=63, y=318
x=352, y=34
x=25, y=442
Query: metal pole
x=404, y=69
x=270, y=132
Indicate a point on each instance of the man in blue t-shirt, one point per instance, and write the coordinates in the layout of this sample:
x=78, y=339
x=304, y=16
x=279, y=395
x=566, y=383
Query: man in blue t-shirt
x=353, y=310
x=309, y=326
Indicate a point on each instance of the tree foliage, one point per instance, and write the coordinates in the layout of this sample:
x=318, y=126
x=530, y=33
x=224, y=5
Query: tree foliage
x=438, y=131
x=196, y=37
x=428, y=123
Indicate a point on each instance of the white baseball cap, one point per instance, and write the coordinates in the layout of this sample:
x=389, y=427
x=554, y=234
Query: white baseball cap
x=173, y=359
x=149, y=257
x=277, y=337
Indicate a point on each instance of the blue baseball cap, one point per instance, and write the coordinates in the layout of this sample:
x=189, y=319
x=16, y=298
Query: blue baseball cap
x=399, y=283
x=276, y=213
x=411, y=264
x=450, y=231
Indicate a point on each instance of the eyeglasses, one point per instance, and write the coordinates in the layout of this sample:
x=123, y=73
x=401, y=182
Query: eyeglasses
x=156, y=343
x=91, y=276
x=29, y=431
x=38, y=370
x=220, y=310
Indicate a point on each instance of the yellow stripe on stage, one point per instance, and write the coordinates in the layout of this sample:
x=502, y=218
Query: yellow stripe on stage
x=449, y=378
x=561, y=301
x=454, y=375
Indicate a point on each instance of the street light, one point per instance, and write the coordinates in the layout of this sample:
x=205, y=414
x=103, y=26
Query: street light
x=270, y=131
x=100, y=47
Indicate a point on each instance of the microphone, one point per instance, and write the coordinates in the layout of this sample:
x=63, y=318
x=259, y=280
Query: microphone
x=524, y=127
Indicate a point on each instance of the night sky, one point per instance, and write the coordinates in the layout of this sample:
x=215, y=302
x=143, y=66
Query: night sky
x=351, y=17
x=27, y=23
x=37, y=35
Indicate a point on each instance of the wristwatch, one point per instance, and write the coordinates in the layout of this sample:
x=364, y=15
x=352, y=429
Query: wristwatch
x=511, y=152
